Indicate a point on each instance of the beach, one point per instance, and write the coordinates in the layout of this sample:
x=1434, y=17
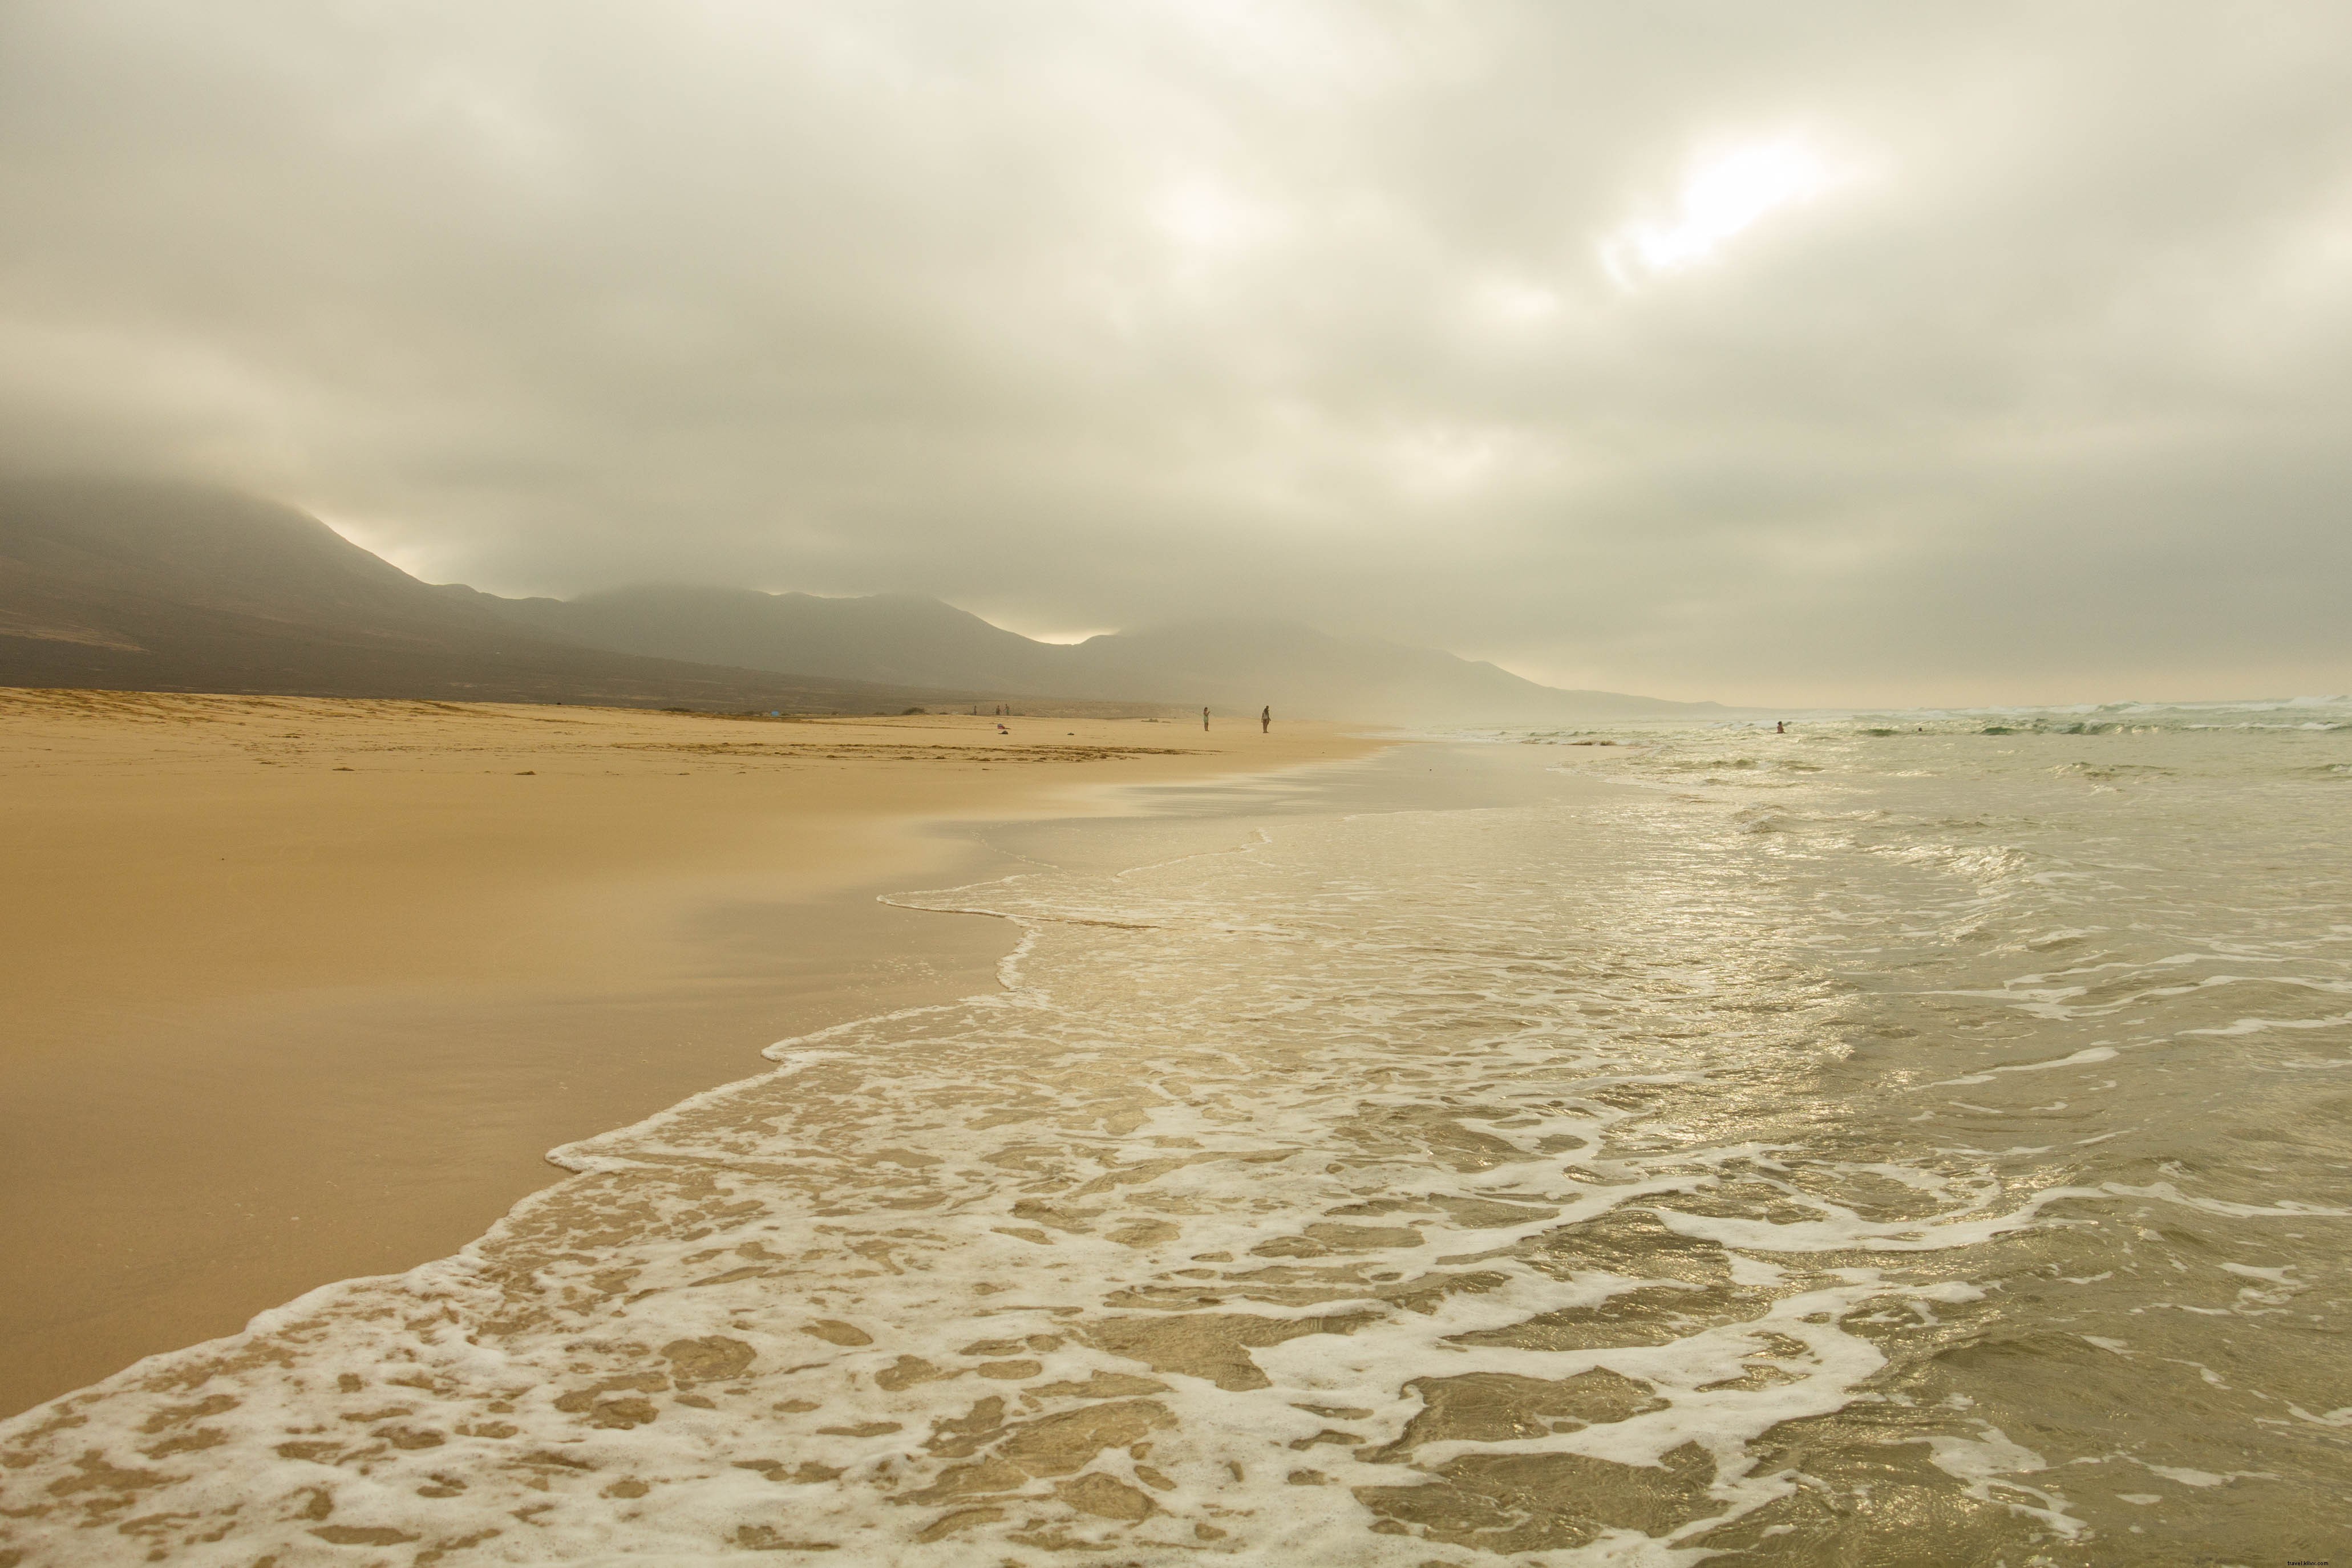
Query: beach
x=301, y=990
x=1648, y=1144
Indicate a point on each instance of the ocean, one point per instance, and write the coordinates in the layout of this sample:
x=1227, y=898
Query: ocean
x=1917, y=1138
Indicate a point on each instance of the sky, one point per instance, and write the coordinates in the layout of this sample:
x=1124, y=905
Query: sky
x=1806, y=353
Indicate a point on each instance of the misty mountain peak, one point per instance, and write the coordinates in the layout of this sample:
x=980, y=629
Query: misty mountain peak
x=123, y=563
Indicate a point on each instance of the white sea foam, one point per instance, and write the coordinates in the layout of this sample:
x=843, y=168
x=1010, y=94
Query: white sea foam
x=2082, y=1058
x=1538, y=1186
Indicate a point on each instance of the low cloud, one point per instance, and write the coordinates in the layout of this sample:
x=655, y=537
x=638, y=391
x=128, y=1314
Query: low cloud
x=1830, y=354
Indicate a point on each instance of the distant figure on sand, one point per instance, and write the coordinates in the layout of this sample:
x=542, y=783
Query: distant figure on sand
x=1266, y=719
x=1204, y=718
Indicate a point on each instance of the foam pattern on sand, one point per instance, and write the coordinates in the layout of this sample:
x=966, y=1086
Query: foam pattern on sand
x=1420, y=1189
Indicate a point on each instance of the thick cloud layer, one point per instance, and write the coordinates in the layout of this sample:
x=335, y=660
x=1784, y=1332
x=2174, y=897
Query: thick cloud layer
x=1793, y=353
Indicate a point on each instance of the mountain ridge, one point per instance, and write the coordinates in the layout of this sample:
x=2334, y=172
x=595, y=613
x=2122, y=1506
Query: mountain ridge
x=1226, y=662
x=157, y=586
x=166, y=586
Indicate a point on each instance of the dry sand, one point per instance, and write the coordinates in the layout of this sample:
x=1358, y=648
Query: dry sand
x=301, y=988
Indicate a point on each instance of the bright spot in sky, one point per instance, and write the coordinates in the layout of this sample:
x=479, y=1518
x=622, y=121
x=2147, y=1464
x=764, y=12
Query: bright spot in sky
x=1721, y=197
x=1065, y=637
x=1203, y=217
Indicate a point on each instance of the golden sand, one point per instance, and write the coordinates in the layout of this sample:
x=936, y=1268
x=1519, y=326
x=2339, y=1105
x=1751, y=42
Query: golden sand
x=301, y=989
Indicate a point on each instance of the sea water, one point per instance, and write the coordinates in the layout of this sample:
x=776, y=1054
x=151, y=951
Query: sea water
x=1919, y=1139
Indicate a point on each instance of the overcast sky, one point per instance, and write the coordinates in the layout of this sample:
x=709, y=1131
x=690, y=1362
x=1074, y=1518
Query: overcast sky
x=1777, y=353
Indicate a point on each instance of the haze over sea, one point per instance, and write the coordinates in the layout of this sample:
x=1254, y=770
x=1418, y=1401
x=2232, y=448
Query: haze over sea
x=1917, y=1137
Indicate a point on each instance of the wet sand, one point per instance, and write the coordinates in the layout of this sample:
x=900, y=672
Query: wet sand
x=303, y=989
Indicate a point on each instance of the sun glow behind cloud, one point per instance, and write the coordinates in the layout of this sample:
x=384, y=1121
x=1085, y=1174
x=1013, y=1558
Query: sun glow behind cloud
x=1722, y=196
x=1062, y=635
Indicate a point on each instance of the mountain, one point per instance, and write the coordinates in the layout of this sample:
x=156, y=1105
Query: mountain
x=893, y=638
x=1296, y=669
x=1231, y=664
x=165, y=587
x=131, y=585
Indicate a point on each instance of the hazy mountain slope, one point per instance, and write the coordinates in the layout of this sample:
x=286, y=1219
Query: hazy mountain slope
x=1299, y=670
x=895, y=638
x=180, y=588
x=160, y=587
x=125, y=541
x=1228, y=665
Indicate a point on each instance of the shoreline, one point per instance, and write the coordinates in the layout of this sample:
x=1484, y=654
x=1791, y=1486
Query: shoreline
x=409, y=984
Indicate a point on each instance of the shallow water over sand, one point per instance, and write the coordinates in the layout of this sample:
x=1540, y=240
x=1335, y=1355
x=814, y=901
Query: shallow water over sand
x=1875, y=1145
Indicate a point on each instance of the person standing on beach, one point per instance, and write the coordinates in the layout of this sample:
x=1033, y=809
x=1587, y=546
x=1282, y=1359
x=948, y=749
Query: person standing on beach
x=1204, y=720
x=1265, y=720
